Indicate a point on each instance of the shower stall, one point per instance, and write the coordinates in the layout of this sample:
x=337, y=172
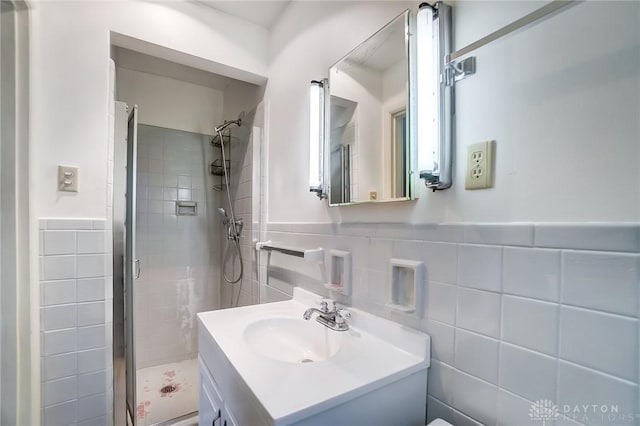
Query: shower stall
x=183, y=223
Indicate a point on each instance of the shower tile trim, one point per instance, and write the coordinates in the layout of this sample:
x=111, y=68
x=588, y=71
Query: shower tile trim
x=75, y=326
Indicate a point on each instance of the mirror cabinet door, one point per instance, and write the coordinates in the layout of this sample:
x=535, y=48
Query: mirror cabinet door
x=369, y=134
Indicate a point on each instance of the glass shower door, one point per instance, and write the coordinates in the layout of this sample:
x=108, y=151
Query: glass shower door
x=131, y=264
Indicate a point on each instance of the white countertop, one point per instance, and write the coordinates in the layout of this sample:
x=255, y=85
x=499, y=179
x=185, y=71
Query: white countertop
x=373, y=353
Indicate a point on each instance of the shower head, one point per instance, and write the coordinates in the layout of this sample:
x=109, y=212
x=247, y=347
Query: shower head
x=226, y=124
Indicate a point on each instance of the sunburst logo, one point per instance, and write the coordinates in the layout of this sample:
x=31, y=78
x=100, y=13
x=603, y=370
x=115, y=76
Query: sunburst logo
x=543, y=410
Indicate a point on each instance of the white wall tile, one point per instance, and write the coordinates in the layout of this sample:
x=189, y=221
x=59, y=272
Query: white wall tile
x=602, y=341
x=59, y=242
x=91, y=242
x=59, y=341
x=440, y=381
x=90, y=289
x=72, y=224
x=479, y=311
x=184, y=181
x=407, y=249
x=184, y=194
x=91, y=337
x=503, y=234
x=460, y=419
x=527, y=373
x=480, y=267
x=477, y=398
x=58, y=316
x=170, y=194
x=530, y=323
x=437, y=410
x=532, y=273
x=92, y=383
x=440, y=232
x=61, y=414
x=603, y=281
x=441, y=302
x=59, y=390
x=92, y=406
x=58, y=267
x=579, y=386
x=477, y=355
x=441, y=261
x=442, y=341
x=514, y=410
x=57, y=292
x=91, y=313
x=380, y=251
x=527, y=315
x=58, y=366
x=92, y=360
x=91, y=265
x=609, y=237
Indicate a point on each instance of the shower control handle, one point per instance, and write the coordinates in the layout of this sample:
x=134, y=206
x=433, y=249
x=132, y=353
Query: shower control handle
x=217, y=417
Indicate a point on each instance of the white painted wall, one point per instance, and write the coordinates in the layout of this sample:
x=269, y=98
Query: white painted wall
x=166, y=102
x=561, y=98
x=69, y=63
x=305, y=42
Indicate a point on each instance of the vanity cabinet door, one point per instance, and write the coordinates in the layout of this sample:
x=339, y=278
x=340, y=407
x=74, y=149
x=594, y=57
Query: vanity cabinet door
x=211, y=411
x=229, y=420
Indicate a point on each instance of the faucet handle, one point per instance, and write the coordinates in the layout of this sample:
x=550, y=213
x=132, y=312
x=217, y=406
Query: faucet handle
x=341, y=315
x=324, y=306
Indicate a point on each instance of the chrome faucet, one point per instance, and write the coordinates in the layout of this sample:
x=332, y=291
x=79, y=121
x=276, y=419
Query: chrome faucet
x=333, y=319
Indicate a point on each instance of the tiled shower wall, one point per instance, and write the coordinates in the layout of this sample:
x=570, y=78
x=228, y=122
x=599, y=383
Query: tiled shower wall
x=245, y=154
x=517, y=313
x=76, y=322
x=179, y=255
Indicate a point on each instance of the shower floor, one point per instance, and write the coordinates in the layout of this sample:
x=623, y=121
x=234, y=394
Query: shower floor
x=154, y=406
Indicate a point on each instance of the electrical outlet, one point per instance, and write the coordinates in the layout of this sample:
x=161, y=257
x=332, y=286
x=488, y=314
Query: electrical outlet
x=373, y=195
x=479, y=173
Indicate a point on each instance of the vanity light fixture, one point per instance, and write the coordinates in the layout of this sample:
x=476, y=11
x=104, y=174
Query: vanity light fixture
x=316, y=137
x=435, y=95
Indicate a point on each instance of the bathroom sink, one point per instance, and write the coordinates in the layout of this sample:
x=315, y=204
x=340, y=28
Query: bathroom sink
x=294, y=368
x=291, y=340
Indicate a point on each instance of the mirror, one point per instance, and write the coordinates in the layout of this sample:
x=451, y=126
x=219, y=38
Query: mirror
x=369, y=131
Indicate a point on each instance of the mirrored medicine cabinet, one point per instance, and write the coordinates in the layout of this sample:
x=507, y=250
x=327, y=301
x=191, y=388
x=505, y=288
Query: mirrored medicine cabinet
x=382, y=118
x=369, y=132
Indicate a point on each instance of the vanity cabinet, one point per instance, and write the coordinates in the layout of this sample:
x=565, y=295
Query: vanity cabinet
x=264, y=365
x=212, y=410
x=226, y=400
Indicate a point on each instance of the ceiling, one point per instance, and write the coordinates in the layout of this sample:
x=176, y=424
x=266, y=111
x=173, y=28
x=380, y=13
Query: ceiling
x=264, y=12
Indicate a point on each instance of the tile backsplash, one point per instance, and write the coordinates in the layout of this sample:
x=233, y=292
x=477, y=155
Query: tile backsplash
x=518, y=313
x=76, y=322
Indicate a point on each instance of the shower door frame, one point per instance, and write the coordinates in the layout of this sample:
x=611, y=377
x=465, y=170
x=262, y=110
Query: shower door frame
x=131, y=265
x=124, y=262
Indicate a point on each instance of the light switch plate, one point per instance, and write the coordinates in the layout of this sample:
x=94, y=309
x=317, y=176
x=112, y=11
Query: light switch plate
x=67, y=179
x=479, y=173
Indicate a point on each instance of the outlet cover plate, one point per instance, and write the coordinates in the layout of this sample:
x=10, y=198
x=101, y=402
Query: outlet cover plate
x=67, y=179
x=480, y=164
